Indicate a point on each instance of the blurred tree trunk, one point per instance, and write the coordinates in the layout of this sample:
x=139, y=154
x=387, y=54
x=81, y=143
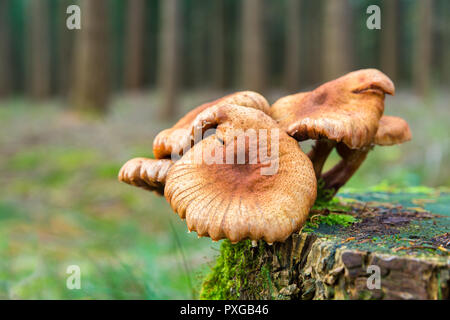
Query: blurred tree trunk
x=39, y=78
x=218, y=44
x=91, y=65
x=446, y=47
x=292, y=51
x=66, y=39
x=253, y=54
x=337, y=50
x=168, y=73
x=423, y=47
x=134, y=63
x=198, y=44
x=389, y=38
x=6, y=75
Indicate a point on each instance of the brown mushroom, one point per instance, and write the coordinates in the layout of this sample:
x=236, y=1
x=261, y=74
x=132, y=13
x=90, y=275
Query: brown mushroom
x=391, y=131
x=149, y=174
x=174, y=139
x=244, y=199
x=345, y=110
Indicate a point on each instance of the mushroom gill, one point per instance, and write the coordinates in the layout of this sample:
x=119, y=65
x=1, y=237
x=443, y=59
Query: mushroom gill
x=149, y=174
x=173, y=140
x=345, y=110
x=248, y=180
x=391, y=131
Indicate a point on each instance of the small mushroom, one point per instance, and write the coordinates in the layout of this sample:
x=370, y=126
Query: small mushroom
x=391, y=131
x=238, y=200
x=149, y=174
x=174, y=139
x=345, y=110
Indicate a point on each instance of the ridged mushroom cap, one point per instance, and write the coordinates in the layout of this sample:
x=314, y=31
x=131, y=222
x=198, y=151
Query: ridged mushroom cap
x=347, y=109
x=149, y=174
x=240, y=200
x=392, y=130
x=173, y=139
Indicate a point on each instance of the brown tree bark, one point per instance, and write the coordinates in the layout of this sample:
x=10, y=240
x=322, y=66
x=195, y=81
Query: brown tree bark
x=389, y=38
x=168, y=72
x=336, y=48
x=253, y=51
x=91, y=65
x=423, y=47
x=6, y=75
x=134, y=61
x=39, y=75
x=292, y=51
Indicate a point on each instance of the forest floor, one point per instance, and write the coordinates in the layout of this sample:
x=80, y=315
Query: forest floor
x=61, y=204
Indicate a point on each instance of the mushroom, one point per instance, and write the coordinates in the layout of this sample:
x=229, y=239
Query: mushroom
x=345, y=110
x=149, y=174
x=266, y=194
x=391, y=131
x=174, y=140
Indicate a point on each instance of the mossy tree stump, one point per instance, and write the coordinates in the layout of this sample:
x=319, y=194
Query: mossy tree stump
x=404, y=235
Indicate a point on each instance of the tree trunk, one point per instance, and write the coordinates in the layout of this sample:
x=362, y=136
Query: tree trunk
x=253, y=51
x=39, y=79
x=6, y=75
x=134, y=63
x=168, y=73
x=292, y=53
x=218, y=44
x=336, y=48
x=423, y=47
x=66, y=39
x=389, y=39
x=91, y=86
x=405, y=248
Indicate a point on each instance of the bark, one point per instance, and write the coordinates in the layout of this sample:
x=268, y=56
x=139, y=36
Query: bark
x=91, y=85
x=292, y=52
x=253, y=51
x=389, y=38
x=6, y=76
x=168, y=73
x=337, y=47
x=39, y=78
x=423, y=47
x=134, y=62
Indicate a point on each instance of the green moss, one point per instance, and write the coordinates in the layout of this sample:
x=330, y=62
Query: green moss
x=234, y=269
x=331, y=219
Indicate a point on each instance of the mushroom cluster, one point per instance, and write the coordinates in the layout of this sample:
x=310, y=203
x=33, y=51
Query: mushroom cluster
x=233, y=168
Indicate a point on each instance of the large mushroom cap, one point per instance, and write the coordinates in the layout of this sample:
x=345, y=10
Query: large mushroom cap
x=173, y=139
x=149, y=174
x=346, y=109
x=392, y=130
x=239, y=200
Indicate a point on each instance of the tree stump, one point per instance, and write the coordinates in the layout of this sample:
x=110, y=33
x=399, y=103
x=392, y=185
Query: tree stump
x=401, y=238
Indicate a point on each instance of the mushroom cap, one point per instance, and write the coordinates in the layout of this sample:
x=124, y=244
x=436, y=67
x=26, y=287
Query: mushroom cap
x=236, y=200
x=149, y=174
x=347, y=109
x=173, y=139
x=392, y=130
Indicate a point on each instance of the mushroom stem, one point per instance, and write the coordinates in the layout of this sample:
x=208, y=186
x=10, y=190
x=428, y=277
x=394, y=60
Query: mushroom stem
x=336, y=177
x=254, y=243
x=319, y=154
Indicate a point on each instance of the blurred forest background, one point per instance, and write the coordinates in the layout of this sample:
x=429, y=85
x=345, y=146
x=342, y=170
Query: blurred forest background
x=76, y=104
